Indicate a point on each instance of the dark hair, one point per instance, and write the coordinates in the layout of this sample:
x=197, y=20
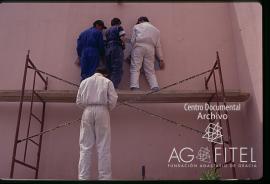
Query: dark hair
x=142, y=19
x=102, y=70
x=115, y=21
x=100, y=23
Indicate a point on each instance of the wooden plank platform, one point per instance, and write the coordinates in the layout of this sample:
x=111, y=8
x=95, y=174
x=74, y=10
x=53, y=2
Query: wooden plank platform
x=69, y=96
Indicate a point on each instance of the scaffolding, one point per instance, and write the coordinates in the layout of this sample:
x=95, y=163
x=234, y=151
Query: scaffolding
x=213, y=96
x=29, y=65
x=227, y=141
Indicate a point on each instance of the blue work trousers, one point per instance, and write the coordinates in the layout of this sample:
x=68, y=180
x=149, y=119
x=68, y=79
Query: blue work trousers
x=114, y=60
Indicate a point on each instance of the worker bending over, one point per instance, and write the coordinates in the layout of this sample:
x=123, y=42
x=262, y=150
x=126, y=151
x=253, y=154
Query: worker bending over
x=145, y=42
x=97, y=96
x=90, y=48
x=115, y=36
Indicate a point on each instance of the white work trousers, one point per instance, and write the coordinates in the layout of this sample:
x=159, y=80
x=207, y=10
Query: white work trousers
x=143, y=55
x=95, y=130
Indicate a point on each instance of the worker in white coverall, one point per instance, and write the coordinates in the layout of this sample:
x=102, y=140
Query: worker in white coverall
x=146, y=45
x=97, y=96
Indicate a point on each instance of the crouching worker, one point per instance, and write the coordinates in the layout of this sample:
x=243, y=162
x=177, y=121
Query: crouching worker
x=97, y=96
x=115, y=36
x=146, y=44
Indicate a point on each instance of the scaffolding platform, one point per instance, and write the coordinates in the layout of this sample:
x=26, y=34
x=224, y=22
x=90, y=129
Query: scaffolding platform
x=172, y=96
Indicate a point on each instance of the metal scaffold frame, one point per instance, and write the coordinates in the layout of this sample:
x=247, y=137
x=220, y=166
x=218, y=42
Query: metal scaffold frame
x=218, y=95
x=212, y=75
x=29, y=65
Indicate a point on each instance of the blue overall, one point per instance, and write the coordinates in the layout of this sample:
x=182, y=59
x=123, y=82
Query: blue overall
x=114, y=54
x=90, y=47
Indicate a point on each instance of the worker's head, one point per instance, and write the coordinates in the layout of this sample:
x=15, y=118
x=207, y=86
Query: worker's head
x=99, y=24
x=115, y=22
x=103, y=70
x=142, y=19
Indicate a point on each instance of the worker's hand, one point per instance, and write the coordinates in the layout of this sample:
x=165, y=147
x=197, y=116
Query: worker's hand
x=161, y=64
x=77, y=61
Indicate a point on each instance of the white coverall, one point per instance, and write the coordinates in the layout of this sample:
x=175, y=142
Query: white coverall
x=97, y=96
x=145, y=42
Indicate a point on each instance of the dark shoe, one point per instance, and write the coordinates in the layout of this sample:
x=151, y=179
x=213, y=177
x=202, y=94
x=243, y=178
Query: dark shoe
x=134, y=89
x=155, y=89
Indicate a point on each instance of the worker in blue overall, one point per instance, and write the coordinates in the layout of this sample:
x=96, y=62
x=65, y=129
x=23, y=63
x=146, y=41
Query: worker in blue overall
x=115, y=36
x=90, y=49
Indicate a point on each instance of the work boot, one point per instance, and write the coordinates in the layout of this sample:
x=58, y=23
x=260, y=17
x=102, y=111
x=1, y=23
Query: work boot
x=134, y=89
x=155, y=89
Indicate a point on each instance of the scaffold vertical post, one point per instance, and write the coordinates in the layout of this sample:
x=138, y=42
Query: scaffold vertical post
x=19, y=115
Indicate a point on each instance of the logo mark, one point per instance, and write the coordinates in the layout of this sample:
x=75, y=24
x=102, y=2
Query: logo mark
x=213, y=133
x=204, y=155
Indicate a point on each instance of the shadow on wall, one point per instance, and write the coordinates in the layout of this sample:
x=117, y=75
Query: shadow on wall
x=244, y=35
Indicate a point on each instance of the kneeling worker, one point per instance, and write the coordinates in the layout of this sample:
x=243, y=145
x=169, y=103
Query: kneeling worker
x=97, y=96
